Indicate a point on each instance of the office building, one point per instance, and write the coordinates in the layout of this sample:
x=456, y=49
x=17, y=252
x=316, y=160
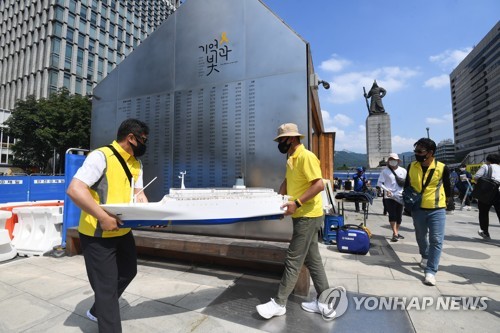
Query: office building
x=475, y=94
x=49, y=44
x=445, y=151
x=5, y=140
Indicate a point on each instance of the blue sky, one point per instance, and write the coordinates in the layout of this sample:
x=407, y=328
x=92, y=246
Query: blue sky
x=409, y=47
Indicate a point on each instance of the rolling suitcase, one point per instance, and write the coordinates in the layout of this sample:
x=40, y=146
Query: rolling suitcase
x=352, y=238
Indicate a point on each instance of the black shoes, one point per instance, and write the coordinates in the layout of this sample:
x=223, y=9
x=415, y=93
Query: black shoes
x=397, y=237
x=483, y=234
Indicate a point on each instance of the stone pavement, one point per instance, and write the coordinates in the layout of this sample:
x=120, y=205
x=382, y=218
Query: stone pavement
x=45, y=294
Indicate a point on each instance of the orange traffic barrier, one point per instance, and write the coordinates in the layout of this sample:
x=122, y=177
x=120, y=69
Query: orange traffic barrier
x=9, y=206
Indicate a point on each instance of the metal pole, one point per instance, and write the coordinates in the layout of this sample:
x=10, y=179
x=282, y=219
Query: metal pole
x=427, y=128
x=54, y=163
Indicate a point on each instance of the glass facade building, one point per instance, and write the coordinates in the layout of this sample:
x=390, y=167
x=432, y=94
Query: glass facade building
x=475, y=95
x=445, y=151
x=5, y=140
x=49, y=44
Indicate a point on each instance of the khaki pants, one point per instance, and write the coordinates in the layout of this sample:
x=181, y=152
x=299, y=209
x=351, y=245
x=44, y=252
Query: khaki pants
x=303, y=249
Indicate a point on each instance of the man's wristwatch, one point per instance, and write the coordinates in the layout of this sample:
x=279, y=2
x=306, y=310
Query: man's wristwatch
x=298, y=203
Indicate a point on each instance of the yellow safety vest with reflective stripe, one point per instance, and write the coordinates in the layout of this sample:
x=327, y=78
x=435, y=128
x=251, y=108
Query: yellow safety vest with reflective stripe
x=434, y=195
x=112, y=187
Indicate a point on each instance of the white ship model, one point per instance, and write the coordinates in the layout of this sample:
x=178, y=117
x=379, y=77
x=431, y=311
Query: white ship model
x=201, y=206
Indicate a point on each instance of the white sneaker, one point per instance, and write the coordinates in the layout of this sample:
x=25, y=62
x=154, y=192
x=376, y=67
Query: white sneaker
x=311, y=306
x=316, y=307
x=423, y=263
x=270, y=309
x=430, y=279
x=91, y=316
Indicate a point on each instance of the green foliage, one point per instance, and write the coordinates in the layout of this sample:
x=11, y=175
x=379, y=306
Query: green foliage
x=345, y=160
x=59, y=122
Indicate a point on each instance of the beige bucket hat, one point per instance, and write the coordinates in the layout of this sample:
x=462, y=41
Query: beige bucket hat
x=288, y=129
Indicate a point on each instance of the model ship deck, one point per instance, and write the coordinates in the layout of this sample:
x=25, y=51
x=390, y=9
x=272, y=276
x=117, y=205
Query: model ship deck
x=202, y=206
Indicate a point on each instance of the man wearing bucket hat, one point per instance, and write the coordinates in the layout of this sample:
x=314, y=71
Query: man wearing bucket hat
x=303, y=183
x=392, y=181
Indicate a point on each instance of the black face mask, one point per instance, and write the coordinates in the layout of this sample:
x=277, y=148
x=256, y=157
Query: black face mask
x=284, y=147
x=420, y=158
x=138, y=150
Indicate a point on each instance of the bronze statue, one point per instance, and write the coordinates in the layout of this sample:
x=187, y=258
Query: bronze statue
x=375, y=94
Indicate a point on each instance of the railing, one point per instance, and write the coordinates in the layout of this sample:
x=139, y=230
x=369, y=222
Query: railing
x=372, y=176
x=31, y=188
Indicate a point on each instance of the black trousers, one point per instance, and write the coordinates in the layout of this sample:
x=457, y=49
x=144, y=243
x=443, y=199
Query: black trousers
x=111, y=265
x=484, y=211
x=461, y=196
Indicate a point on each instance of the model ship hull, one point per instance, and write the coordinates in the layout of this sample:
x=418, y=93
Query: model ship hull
x=202, y=207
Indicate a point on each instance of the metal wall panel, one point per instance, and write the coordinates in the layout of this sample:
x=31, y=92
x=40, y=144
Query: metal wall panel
x=210, y=43
x=213, y=83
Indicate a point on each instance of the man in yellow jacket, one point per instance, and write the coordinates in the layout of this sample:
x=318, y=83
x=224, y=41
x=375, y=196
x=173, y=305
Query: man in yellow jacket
x=107, y=176
x=432, y=179
x=303, y=183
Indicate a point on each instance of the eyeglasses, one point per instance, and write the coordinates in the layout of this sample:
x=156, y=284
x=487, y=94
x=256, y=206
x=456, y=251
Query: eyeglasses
x=144, y=140
x=420, y=151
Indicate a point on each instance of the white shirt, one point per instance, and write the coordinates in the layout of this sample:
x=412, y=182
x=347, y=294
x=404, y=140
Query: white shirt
x=93, y=167
x=483, y=171
x=387, y=181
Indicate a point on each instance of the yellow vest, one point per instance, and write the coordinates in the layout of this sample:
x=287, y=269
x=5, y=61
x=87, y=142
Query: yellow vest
x=112, y=187
x=434, y=195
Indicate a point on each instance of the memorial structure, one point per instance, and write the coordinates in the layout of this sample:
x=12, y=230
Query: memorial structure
x=213, y=82
x=378, y=127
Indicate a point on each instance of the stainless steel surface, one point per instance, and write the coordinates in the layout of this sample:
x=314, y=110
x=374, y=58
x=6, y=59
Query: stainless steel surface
x=213, y=83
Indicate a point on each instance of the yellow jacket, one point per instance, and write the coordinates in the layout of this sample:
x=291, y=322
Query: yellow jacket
x=434, y=195
x=113, y=187
x=302, y=168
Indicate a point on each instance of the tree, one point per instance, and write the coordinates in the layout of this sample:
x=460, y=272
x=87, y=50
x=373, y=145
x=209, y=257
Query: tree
x=59, y=122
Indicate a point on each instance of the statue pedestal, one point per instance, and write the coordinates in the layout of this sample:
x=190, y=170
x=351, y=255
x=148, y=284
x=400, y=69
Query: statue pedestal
x=378, y=138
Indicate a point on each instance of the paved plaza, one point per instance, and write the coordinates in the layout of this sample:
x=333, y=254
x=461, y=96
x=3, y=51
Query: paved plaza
x=46, y=294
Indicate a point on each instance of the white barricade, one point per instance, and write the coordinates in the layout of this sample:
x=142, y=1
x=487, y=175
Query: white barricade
x=7, y=251
x=38, y=229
